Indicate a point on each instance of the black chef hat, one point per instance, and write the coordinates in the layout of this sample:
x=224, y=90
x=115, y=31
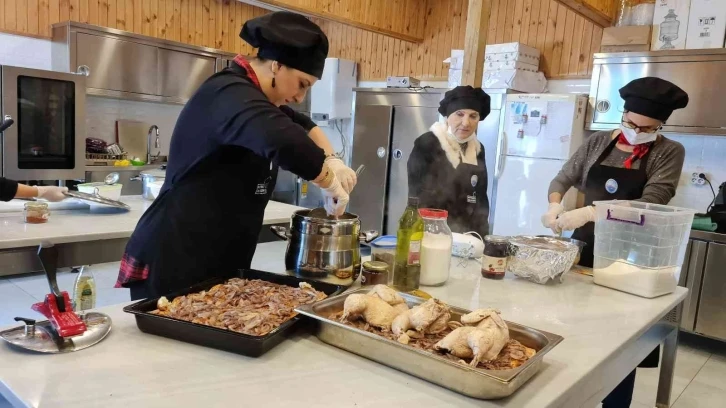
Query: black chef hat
x=465, y=97
x=289, y=39
x=653, y=97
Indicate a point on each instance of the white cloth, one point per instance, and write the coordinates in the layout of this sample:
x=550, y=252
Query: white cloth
x=549, y=219
x=452, y=148
x=345, y=174
x=570, y=220
x=51, y=193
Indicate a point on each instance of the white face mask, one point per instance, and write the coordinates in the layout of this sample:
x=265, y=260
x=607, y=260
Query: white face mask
x=635, y=138
x=452, y=136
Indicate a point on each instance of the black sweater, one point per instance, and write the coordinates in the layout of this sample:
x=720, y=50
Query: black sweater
x=8, y=189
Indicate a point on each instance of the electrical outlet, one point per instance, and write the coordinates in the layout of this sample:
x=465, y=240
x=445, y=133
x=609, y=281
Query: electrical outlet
x=696, y=178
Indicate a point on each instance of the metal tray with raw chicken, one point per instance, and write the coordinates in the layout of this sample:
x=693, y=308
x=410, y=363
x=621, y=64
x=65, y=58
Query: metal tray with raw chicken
x=475, y=353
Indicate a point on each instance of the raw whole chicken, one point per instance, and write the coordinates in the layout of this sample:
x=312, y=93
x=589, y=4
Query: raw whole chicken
x=468, y=342
x=390, y=296
x=372, y=309
x=430, y=317
x=493, y=327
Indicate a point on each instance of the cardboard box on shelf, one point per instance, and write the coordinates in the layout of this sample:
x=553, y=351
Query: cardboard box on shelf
x=608, y=49
x=511, y=52
x=499, y=65
x=625, y=39
x=706, y=24
x=670, y=24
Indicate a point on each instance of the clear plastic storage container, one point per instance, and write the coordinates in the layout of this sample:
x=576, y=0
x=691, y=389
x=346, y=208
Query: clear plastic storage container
x=639, y=247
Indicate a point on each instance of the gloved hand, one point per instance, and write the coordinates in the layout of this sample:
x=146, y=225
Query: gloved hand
x=52, y=193
x=345, y=174
x=336, y=198
x=549, y=219
x=576, y=218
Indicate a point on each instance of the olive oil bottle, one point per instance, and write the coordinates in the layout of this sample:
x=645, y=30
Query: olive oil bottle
x=407, y=269
x=84, y=291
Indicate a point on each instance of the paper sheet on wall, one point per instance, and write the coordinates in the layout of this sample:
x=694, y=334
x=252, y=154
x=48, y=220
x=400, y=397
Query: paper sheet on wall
x=559, y=121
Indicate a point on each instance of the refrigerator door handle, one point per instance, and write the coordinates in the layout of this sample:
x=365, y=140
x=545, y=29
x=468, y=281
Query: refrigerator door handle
x=500, y=157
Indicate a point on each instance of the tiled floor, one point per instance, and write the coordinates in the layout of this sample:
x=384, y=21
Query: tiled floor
x=700, y=366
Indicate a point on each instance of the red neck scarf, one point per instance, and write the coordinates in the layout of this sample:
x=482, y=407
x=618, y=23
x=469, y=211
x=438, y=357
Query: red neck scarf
x=639, y=151
x=242, y=62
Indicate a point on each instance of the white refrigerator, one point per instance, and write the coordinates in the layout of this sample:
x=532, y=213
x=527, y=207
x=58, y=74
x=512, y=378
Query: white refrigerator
x=540, y=132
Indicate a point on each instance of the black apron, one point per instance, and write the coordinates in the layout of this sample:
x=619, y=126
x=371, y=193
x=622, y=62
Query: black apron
x=612, y=183
x=469, y=212
x=205, y=225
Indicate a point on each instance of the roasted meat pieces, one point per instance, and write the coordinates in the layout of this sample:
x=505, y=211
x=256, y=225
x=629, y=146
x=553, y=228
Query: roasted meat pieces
x=253, y=307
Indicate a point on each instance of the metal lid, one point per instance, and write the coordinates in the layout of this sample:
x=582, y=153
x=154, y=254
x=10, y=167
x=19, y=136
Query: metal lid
x=496, y=239
x=95, y=198
x=386, y=241
x=42, y=338
x=376, y=266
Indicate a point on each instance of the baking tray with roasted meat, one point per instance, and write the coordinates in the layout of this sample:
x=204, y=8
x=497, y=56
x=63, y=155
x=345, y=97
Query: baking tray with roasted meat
x=149, y=320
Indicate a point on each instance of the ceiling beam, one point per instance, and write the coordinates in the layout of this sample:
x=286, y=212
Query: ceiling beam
x=475, y=40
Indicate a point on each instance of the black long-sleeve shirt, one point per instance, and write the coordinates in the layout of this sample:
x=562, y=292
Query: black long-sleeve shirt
x=8, y=189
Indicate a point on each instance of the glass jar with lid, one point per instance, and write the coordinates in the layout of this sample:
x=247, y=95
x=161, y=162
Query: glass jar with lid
x=435, y=247
x=496, y=253
x=36, y=212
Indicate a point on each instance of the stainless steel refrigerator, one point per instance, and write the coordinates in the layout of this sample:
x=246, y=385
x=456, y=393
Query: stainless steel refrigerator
x=386, y=122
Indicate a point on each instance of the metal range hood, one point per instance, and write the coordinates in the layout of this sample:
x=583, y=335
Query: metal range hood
x=701, y=73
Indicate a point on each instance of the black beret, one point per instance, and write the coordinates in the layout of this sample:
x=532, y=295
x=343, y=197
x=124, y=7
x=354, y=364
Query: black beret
x=653, y=97
x=289, y=39
x=465, y=97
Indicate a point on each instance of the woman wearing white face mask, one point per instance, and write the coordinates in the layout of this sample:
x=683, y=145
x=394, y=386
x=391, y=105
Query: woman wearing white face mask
x=630, y=163
x=446, y=169
x=633, y=162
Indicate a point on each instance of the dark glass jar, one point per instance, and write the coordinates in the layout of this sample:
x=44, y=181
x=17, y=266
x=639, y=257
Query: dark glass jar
x=374, y=273
x=494, y=261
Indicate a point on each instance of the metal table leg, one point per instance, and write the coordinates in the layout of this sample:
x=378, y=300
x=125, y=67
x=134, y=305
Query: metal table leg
x=667, y=369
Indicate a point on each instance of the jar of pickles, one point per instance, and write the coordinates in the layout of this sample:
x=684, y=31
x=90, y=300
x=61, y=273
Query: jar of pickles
x=36, y=212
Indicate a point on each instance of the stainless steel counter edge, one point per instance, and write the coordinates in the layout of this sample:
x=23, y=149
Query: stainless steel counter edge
x=708, y=236
x=124, y=168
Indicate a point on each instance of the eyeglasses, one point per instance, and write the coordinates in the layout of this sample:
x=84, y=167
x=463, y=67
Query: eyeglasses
x=642, y=129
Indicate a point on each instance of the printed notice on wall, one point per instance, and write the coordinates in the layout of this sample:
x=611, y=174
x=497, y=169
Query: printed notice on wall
x=559, y=121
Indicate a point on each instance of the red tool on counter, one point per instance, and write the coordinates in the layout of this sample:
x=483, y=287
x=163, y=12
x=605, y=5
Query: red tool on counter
x=57, y=306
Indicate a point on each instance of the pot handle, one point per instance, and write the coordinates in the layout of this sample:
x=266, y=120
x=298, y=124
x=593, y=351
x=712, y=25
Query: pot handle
x=281, y=232
x=368, y=236
x=135, y=178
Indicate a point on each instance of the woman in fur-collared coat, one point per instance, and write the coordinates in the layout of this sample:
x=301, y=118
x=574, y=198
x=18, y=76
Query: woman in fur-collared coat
x=446, y=169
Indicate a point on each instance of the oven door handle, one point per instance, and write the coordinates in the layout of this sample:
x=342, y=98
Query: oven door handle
x=6, y=123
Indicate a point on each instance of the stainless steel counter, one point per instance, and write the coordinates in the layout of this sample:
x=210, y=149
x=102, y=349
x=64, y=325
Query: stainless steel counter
x=708, y=236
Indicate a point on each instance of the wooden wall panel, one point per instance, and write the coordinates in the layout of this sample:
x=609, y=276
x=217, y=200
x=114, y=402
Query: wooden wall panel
x=565, y=39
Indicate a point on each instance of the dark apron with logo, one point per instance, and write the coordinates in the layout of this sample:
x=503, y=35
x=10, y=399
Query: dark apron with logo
x=470, y=212
x=612, y=183
x=205, y=225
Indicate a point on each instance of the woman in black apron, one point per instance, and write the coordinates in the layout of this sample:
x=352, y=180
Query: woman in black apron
x=648, y=104
x=446, y=169
x=226, y=147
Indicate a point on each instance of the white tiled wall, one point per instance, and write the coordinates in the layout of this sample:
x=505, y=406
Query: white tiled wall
x=102, y=113
x=704, y=154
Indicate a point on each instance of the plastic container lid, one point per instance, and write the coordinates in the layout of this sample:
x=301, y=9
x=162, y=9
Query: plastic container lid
x=433, y=213
x=386, y=241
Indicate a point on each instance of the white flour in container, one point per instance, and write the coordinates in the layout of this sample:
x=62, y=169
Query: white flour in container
x=435, y=259
x=641, y=281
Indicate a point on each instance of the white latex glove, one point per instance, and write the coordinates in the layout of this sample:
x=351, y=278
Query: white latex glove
x=549, y=219
x=576, y=218
x=51, y=193
x=345, y=174
x=336, y=198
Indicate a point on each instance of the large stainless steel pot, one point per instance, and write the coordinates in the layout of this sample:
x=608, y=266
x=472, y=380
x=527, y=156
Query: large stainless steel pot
x=325, y=249
x=147, y=177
